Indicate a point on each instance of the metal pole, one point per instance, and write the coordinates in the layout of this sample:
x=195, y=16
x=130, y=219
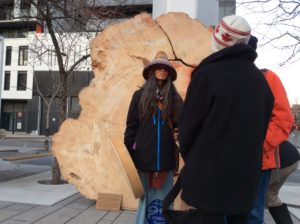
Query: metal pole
x=13, y=123
x=1, y=71
x=39, y=115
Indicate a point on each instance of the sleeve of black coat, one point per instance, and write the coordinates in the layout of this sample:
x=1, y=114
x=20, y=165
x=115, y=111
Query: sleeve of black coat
x=196, y=107
x=132, y=122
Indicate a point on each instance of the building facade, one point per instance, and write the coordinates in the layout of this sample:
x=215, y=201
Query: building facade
x=16, y=75
x=29, y=63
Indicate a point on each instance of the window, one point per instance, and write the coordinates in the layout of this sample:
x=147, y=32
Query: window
x=226, y=8
x=22, y=33
x=23, y=55
x=25, y=4
x=22, y=81
x=7, y=33
x=8, y=55
x=7, y=80
x=15, y=33
x=7, y=9
x=75, y=106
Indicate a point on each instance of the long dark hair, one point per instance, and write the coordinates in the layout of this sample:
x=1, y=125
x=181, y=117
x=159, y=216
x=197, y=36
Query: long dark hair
x=172, y=101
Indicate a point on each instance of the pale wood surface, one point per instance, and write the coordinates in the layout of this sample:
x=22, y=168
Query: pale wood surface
x=109, y=202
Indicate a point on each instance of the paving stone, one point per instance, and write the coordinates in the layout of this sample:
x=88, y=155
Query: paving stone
x=81, y=203
x=21, y=207
x=110, y=217
x=12, y=221
x=125, y=217
x=61, y=216
x=89, y=216
x=6, y=214
x=67, y=201
x=36, y=213
x=13, y=210
x=105, y=221
x=4, y=204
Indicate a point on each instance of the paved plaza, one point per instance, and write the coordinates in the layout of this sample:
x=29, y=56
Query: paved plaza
x=73, y=210
x=24, y=201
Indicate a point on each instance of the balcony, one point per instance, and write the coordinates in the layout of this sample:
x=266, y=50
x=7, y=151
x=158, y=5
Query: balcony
x=16, y=18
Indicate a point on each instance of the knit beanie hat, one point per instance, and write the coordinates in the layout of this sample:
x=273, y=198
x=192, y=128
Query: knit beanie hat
x=230, y=31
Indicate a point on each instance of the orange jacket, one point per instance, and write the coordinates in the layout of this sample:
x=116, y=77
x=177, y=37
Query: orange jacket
x=280, y=124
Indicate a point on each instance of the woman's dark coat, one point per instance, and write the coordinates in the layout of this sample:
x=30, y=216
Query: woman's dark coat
x=221, y=131
x=149, y=142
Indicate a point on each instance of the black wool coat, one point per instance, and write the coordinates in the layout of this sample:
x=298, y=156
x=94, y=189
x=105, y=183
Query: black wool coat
x=221, y=131
x=149, y=142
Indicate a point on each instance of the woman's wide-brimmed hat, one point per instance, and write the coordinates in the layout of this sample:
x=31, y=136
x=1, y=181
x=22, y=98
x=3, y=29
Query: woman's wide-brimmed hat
x=160, y=59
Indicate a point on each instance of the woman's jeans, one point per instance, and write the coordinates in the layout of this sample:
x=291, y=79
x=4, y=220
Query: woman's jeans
x=150, y=206
x=256, y=216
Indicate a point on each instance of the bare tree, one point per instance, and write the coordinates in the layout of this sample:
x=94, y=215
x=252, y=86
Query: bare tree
x=279, y=24
x=65, y=23
x=47, y=100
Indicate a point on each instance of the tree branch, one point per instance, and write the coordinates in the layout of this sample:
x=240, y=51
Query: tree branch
x=72, y=68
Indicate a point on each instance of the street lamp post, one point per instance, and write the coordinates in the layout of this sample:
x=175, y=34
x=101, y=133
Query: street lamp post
x=1, y=70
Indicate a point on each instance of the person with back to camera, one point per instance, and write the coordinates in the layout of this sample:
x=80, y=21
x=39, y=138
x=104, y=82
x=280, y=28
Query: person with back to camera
x=279, y=128
x=222, y=128
x=289, y=161
x=153, y=112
